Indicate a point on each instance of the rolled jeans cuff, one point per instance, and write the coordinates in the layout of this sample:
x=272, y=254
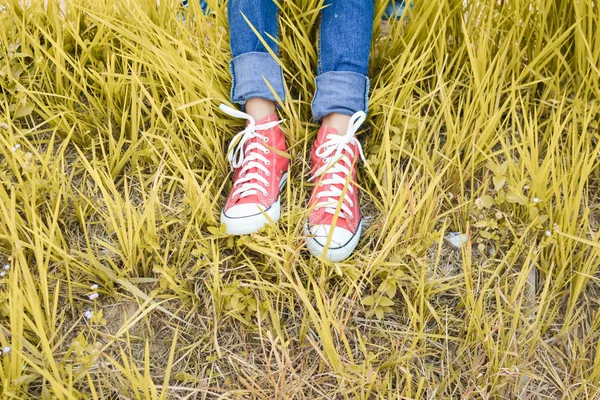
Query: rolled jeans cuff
x=342, y=92
x=249, y=71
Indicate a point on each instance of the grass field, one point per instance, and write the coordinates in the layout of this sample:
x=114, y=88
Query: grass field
x=120, y=284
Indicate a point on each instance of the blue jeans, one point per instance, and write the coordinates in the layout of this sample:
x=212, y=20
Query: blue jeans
x=342, y=84
x=394, y=9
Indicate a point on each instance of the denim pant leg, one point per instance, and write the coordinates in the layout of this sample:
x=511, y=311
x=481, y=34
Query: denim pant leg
x=395, y=9
x=251, y=64
x=344, y=48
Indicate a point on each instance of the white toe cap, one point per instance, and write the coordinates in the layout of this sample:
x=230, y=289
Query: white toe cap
x=244, y=210
x=340, y=236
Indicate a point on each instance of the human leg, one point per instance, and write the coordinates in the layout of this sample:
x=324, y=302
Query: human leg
x=257, y=154
x=334, y=223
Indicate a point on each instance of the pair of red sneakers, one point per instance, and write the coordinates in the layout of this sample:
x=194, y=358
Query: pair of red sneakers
x=258, y=155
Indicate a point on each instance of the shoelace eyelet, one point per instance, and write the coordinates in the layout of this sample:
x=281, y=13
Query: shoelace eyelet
x=267, y=184
x=267, y=151
x=268, y=173
x=266, y=139
x=268, y=162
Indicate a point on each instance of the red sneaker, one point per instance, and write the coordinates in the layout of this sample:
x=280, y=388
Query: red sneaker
x=334, y=160
x=260, y=173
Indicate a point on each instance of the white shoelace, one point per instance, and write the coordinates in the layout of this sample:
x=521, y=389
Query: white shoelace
x=250, y=157
x=339, y=166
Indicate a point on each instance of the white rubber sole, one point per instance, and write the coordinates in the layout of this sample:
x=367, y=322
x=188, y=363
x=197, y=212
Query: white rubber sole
x=255, y=222
x=336, y=254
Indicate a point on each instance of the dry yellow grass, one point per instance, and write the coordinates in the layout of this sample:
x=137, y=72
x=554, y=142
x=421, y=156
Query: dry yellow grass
x=484, y=120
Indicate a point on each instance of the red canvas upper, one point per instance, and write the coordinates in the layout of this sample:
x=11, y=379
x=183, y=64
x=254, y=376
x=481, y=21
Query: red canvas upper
x=319, y=216
x=273, y=140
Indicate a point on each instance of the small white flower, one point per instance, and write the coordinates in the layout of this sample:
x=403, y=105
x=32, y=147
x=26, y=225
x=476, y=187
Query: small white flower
x=94, y=287
x=88, y=314
x=7, y=267
x=4, y=125
x=6, y=350
x=548, y=233
x=536, y=200
x=526, y=187
x=93, y=296
x=2, y=274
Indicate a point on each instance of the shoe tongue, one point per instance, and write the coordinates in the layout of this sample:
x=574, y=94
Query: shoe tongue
x=322, y=138
x=254, y=198
x=329, y=130
x=324, y=131
x=269, y=118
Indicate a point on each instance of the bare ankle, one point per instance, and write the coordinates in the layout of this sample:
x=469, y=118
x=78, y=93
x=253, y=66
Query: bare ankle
x=337, y=121
x=259, y=108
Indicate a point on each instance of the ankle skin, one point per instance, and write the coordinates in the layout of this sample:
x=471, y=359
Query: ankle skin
x=337, y=121
x=259, y=108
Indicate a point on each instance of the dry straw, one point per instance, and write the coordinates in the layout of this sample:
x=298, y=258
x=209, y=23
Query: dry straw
x=484, y=120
